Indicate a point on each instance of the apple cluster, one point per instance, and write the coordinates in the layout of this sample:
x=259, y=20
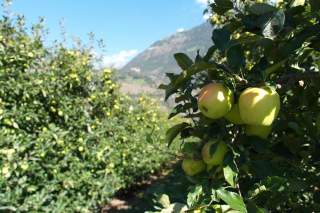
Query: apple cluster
x=256, y=109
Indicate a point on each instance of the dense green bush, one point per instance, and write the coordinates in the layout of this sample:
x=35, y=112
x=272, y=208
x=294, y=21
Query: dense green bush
x=68, y=139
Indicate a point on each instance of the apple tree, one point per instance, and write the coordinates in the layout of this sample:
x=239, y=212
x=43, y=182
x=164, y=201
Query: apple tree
x=250, y=139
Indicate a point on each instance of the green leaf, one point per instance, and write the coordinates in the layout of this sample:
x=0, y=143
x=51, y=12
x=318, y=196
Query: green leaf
x=172, y=76
x=297, y=41
x=315, y=5
x=183, y=60
x=164, y=200
x=222, y=6
x=185, y=76
x=230, y=169
x=275, y=183
x=169, y=89
x=221, y=38
x=223, y=209
x=262, y=168
x=295, y=126
x=258, y=144
x=257, y=72
x=274, y=25
x=177, y=208
x=194, y=195
x=261, y=8
x=233, y=199
x=162, y=86
x=210, y=53
x=176, y=110
x=267, y=24
x=229, y=175
x=235, y=57
x=253, y=208
x=173, y=132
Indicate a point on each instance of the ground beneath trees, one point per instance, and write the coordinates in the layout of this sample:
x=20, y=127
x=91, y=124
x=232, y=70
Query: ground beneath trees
x=139, y=198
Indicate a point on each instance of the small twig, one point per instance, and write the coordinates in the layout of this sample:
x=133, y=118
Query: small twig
x=231, y=73
x=238, y=188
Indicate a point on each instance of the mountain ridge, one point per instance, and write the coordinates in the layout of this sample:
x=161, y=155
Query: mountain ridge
x=152, y=63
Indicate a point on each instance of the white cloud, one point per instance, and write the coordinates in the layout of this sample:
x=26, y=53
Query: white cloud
x=180, y=30
x=202, y=2
x=118, y=60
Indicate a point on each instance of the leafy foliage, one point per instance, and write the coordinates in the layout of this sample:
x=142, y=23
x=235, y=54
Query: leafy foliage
x=257, y=44
x=68, y=139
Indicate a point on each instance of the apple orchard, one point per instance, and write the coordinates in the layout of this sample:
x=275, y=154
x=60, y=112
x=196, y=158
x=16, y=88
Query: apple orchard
x=250, y=141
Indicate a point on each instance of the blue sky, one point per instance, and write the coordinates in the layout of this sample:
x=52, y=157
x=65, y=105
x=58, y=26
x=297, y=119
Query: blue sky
x=127, y=27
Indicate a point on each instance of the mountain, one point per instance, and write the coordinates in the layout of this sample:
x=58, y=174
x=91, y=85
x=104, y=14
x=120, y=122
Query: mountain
x=150, y=66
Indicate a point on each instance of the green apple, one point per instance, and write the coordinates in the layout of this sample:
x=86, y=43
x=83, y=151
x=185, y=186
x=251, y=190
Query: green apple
x=260, y=131
x=296, y=3
x=215, y=100
x=259, y=106
x=234, y=115
x=192, y=166
x=214, y=157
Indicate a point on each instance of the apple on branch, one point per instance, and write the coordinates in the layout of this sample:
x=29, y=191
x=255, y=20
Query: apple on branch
x=213, y=152
x=259, y=106
x=234, y=115
x=215, y=100
x=193, y=166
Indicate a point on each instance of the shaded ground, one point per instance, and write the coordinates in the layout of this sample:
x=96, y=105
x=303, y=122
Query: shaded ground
x=140, y=198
